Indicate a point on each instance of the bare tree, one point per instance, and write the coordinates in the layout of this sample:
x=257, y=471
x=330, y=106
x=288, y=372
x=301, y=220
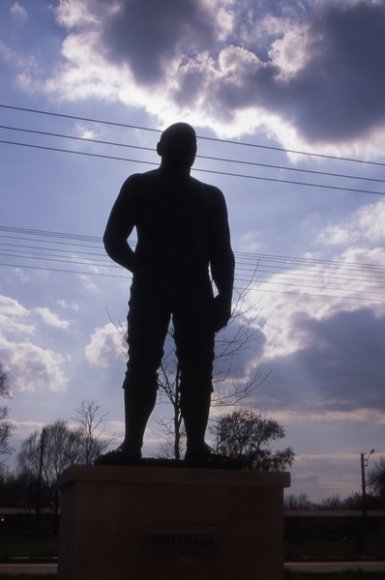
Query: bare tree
x=45, y=455
x=247, y=435
x=240, y=337
x=90, y=418
x=5, y=424
x=377, y=479
x=169, y=386
x=298, y=502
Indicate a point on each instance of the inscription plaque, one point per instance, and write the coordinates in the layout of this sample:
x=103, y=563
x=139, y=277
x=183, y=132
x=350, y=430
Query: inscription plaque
x=182, y=539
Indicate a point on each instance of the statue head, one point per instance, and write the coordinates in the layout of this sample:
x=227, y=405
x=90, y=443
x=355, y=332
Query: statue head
x=177, y=147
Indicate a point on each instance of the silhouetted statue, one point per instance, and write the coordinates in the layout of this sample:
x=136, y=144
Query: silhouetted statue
x=182, y=232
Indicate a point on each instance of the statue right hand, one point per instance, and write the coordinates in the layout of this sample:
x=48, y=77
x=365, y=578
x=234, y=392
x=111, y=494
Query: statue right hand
x=222, y=312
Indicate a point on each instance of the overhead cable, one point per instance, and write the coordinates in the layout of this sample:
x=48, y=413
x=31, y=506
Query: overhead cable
x=211, y=171
x=199, y=156
x=215, y=139
x=259, y=271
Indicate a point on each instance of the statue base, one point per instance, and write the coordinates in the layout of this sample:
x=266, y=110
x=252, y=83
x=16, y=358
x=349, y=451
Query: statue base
x=141, y=523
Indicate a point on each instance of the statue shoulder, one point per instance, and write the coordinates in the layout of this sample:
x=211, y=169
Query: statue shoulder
x=211, y=190
x=137, y=182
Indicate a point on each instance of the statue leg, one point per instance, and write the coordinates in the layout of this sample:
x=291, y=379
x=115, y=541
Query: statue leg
x=139, y=402
x=194, y=338
x=195, y=408
x=148, y=321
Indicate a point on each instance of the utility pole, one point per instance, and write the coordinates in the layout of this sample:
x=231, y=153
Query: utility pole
x=364, y=464
x=40, y=477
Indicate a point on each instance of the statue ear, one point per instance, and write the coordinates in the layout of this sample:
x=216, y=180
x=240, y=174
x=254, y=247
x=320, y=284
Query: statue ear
x=159, y=149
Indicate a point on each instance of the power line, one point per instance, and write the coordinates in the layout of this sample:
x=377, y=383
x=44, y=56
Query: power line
x=295, y=260
x=273, y=265
x=300, y=279
x=211, y=171
x=253, y=256
x=237, y=288
x=100, y=259
x=321, y=277
x=20, y=247
x=62, y=270
x=257, y=258
x=259, y=266
x=288, y=282
x=85, y=153
x=211, y=158
x=215, y=139
x=31, y=256
x=48, y=233
x=311, y=295
x=77, y=118
x=199, y=156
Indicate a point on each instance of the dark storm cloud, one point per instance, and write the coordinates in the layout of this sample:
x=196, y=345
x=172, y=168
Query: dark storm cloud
x=319, y=67
x=342, y=367
x=337, y=94
x=146, y=35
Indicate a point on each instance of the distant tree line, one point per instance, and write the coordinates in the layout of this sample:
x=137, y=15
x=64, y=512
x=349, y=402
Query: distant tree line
x=353, y=502
x=5, y=424
x=242, y=434
x=45, y=454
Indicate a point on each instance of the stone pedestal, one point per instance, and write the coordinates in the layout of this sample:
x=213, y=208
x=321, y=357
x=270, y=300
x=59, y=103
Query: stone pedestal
x=147, y=523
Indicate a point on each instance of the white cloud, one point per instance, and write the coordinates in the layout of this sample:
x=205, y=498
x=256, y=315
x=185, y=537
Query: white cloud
x=11, y=307
x=19, y=12
x=14, y=318
x=68, y=305
x=319, y=292
x=326, y=339
x=89, y=284
x=51, y=318
x=85, y=132
x=349, y=281
x=365, y=227
x=30, y=365
x=31, y=368
x=25, y=67
x=290, y=52
x=355, y=417
x=75, y=13
x=106, y=346
x=234, y=68
x=24, y=428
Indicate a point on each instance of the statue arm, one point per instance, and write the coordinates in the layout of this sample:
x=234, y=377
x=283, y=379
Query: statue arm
x=120, y=224
x=222, y=262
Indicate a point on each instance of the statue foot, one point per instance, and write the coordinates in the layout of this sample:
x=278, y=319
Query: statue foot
x=120, y=456
x=202, y=456
x=205, y=457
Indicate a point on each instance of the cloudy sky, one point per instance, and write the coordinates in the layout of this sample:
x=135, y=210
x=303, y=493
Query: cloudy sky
x=287, y=100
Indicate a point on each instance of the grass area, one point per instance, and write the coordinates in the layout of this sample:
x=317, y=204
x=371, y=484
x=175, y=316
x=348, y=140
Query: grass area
x=288, y=576
x=28, y=544
x=27, y=577
x=335, y=576
x=334, y=549
x=44, y=545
